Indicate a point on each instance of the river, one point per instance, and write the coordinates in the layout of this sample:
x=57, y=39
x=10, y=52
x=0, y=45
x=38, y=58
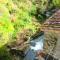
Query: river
x=35, y=45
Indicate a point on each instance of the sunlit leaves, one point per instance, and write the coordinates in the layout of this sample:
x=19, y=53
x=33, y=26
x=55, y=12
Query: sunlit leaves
x=41, y=5
x=6, y=28
x=56, y=3
x=3, y=1
x=15, y=16
x=3, y=12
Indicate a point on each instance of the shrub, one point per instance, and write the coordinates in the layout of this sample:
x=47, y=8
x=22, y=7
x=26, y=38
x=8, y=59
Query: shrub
x=6, y=27
x=56, y=3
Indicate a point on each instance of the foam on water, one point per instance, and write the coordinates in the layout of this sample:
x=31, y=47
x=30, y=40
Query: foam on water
x=38, y=46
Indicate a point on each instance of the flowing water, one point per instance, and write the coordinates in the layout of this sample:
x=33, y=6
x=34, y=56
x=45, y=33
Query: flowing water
x=36, y=44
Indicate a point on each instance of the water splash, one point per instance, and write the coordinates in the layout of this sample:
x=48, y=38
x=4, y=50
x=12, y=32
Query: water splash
x=38, y=44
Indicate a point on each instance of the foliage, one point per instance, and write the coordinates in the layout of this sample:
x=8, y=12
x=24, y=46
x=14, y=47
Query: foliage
x=56, y=3
x=3, y=2
x=17, y=15
x=21, y=15
x=4, y=54
x=6, y=27
x=41, y=5
x=14, y=17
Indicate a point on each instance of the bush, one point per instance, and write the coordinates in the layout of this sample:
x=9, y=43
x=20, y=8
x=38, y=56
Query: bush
x=14, y=17
x=56, y=3
x=6, y=27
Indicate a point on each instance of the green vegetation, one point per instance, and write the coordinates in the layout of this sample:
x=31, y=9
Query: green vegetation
x=14, y=17
x=56, y=3
x=6, y=28
x=17, y=15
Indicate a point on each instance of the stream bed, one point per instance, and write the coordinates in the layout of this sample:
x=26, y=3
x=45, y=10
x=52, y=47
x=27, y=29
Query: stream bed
x=36, y=45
